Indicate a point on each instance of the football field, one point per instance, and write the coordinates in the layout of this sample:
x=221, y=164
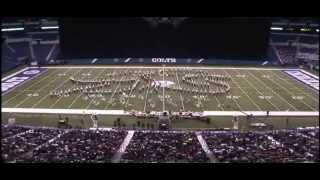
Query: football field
x=250, y=90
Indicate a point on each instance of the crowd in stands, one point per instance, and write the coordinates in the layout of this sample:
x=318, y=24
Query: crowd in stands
x=16, y=147
x=78, y=146
x=30, y=144
x=164, y=147
x=306, y=148
x=12, y=130
x=277, y=146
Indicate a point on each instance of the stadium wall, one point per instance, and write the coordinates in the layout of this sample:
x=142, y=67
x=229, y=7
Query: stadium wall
x=160, y=61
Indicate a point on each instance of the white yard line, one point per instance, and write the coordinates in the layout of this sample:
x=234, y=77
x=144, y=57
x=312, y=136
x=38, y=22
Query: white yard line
x=75, y=99
x=31, y=85
x=295, y=87
x=146, y=97
x=243, y=91
x=163, y=99
x=11, y=75
x=65, y=81
x=114, y=92
x=265, y=85
x=37, y=91
x=61, y=86
x=260, y=93
x=130, y=93
x=310, y=74
x=179, y=91
x=290, y=93
x=221, y=105
x=94, y=97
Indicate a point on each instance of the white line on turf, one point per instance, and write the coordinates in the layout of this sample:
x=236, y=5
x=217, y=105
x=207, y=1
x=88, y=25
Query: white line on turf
x=37, y=91
x=31, y=85
x=130, y=93
x=22, y=83
x=65, y=81
x=299, y=89
x=310, y=74
x=290, y=93
x=260, y=92
x=163, y=99
x=74, y=100
x=235, y=82
x=11, y=75
x=146, y=97
x=179, y=91
x=265, y=85
x=114, y=92
x=94, y=97
x=220, y=105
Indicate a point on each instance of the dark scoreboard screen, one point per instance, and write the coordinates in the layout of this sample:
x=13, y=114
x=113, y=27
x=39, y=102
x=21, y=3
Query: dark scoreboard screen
x=232, y=38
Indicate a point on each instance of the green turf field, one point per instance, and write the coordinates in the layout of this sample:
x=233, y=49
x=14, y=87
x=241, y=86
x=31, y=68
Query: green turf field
x=251, y=90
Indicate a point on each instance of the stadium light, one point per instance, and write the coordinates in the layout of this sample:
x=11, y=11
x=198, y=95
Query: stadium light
x=317, y=30
x=305, y=29
x=276, y=28
x=12, y=29
x=50, y=27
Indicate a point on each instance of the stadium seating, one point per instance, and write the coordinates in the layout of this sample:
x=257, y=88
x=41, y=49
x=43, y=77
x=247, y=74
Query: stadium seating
x=164, y=147
x=12, y=54
x=42, y=51
x=45, y=37
x=250, y=147
x=80, y=146
x=12, y=130
x=306, y=148
x=14, y=148
x=308, y=50
x=309, y=40
x=21, y=49
x=287, y=54
x=282, y=38
x=76, y=145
